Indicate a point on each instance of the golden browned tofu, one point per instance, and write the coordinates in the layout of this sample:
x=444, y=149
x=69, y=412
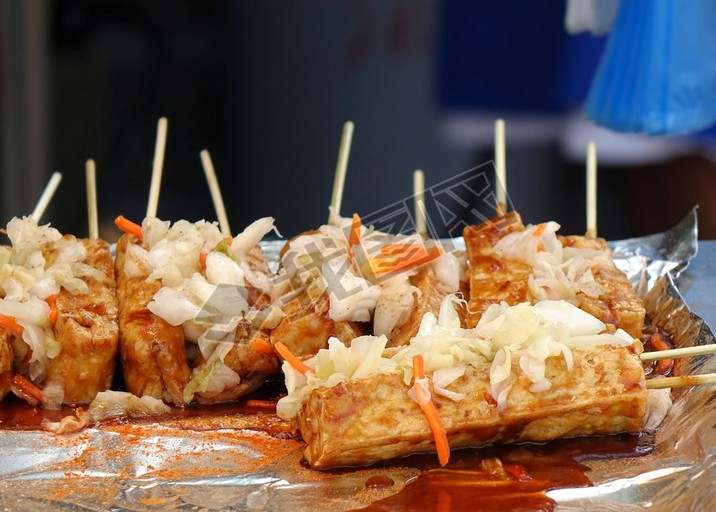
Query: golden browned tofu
x=153, y=355
x=618, y=305
x=87, y=331
x=493, y=279
x=307, y=326
x=366, y=420
x=480, y=240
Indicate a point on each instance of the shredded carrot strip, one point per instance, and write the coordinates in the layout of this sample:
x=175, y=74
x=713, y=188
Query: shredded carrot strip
x=658, y=342
x=54, y=312
x=262, y=345
x=295, y=362
x=202, y=260
x=27, y=387
x=11, y=323
x=268, y=405
x=129, y=227
x=664, y=365
x=354, y=238
x=401, y=255
x=431, y=414
x=539, y=230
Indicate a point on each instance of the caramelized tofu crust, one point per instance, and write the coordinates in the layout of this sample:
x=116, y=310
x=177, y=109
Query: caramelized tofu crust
x=153, y=354
x=493, y=279
x=618, y=305
x=366, y=420
x=307, y=327
x=87, y=331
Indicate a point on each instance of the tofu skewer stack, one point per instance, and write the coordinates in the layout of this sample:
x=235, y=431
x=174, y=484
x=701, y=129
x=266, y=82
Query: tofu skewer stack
x=59, y=311
x=194, y=305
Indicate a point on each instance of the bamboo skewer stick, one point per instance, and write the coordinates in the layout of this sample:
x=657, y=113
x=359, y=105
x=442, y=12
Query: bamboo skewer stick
x=341, y=167
x=215, y=192
x=419, y=198
x=157, y=166
x=682, y=381
x=46, y=196
x=91, y=179
x=500, y=168
x=675, y=353
x=591, y=190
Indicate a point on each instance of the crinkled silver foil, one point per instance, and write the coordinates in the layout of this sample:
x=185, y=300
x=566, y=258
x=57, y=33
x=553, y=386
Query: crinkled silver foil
x=645, y=260
x=222, y=465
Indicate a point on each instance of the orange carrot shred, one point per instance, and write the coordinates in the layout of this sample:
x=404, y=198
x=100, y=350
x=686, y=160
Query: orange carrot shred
x=129, y=227
x=431, y=414
x=202, y=260
x=27, y=387
x=11, y=323
x=295, y=362
x=658, y=342
x=402, y=255
x=354, y=238
x=261, y=345
x=663, y=366
x=268, y=405
x=418, y=367
x=539, y=230
x=54, y=312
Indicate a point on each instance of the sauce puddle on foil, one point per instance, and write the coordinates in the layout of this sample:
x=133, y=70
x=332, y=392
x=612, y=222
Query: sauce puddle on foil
x=504, y=478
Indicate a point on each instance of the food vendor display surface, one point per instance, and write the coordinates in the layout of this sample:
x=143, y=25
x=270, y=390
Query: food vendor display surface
x=240, y=457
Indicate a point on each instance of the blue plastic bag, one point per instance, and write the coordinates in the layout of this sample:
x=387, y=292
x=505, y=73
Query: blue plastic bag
x=658, y=74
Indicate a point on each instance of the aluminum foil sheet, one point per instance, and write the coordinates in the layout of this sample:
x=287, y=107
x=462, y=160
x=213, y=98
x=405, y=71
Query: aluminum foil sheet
x=644, y=260
x=228, y=462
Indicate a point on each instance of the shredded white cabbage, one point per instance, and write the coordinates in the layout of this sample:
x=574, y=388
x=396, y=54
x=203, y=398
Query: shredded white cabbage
x=28, y=277
x=208, y=303
x=332, y=366
x=107, y=405
x=394, y=305
x=514, y=340
x=557, y=272
x=354, y=278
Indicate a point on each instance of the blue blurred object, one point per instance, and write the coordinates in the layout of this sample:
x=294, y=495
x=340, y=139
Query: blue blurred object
x=658, y=74
x=512, y=57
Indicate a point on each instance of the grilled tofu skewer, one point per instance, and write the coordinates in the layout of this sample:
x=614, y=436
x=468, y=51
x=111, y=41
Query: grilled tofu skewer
x=486, y=385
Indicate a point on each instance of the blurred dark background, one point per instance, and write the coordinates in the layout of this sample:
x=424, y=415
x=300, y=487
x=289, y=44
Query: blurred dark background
x=266, y=87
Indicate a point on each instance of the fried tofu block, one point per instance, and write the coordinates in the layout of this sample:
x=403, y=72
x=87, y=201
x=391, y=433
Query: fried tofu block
x=307, y=327
x=480, y=240
x=371, y=419
x=493, y=279
x=428, y=300
x=153, y=354
x=618, y=305
x=87, y=331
